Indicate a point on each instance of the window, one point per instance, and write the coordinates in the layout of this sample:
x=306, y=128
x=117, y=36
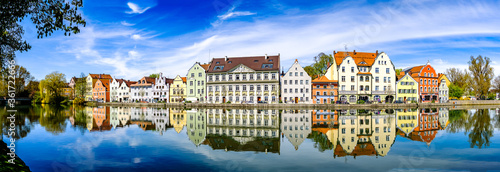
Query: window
x=284, y=82
x=343, y=68
x=387, y=70
x=267, y=66
x=352, y=78
x=352, y=87
x=376, y=70
x=218, y=67
x=352, y=69
x=343, y=78
x=376, y=79
x=385, y=79
x=361, y=88
x=244, y=77
x=301, y=73
x=361, y=78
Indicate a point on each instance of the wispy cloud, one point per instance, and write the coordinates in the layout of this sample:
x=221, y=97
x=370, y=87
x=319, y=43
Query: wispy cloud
x=136, y=9
x=124, y=23
x=231, y=14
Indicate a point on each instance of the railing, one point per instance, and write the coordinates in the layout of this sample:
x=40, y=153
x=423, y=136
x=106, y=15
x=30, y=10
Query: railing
x=348, y=92
x=383, y=92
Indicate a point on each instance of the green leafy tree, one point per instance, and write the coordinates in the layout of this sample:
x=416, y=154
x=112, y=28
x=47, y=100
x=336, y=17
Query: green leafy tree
x=22, y=77
x=47, y=16
x=321, y=63
x=496, y=85
x=81, y=86
x=460, y=78
x=482, y=74
x=154, y=75
x=51, y=87
x=398, y=71
x=455, y=91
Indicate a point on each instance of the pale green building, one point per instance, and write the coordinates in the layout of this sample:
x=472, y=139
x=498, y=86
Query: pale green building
x=196, y=83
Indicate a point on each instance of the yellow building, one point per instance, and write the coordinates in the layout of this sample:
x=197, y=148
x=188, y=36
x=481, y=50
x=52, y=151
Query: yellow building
x=407, y=120
x=177, y=118
x=178, y=90
x=443, y=76
x=67, y=92
x=406, y=88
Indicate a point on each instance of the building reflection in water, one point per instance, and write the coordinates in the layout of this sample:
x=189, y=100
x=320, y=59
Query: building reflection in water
x=243, y=130
x=351, y=132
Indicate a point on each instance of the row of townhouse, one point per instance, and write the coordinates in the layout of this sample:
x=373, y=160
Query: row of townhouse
x=351, y=77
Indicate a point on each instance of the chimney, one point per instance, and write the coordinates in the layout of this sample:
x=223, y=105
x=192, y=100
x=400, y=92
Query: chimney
x=100, y=76
x=226, y=58
x=376, y=52
x=354, y=52
x=266, y=57
x=334, y=52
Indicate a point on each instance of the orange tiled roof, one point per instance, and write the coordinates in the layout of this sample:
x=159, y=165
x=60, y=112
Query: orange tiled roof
x=205, y=66
x=323, y=79
x=183, y=79
x=105, y=83
x=364, y=73
x=101, y=76
x=361, y=58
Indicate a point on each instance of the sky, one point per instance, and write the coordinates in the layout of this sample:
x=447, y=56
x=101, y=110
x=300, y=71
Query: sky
x=132, y=39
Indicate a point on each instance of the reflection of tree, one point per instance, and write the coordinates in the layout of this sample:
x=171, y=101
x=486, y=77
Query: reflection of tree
x=321, y=141
x=480, y=129
x=22, y=127
x=497, y=120
x=478, y=125
x=53, y=119
x=80, y=118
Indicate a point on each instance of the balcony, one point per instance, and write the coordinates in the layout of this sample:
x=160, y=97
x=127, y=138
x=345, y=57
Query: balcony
x=383, y=92
x=348, y=92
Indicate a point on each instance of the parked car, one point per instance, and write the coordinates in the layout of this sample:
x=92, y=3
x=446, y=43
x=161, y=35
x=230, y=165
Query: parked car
x=341, y=102
x=262, y=102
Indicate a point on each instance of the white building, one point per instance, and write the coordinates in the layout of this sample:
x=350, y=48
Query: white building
x=115, y=87
x=196, y=125
x=443, y=91
x=244, y=79
x=296, y=126
x=364, y=76
x=142, y=90
x=161, y=89
x=296, y=85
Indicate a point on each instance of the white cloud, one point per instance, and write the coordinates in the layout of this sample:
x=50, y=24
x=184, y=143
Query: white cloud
x=136, y=9
x=231, y=14
x=124, y=23
x=136, y=36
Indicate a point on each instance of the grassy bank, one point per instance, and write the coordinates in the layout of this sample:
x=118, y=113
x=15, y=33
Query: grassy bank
x=4, y=158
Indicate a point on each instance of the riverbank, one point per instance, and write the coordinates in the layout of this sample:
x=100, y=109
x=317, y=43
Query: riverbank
x=451, y=104
x=4, y=160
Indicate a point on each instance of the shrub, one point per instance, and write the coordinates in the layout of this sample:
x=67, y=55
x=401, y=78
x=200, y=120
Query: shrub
x=433, y=101
x=361, y=102
x=189, y=102
x=228, y=102
x=79, y=101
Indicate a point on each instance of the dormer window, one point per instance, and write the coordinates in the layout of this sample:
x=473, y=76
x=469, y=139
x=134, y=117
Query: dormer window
x=217, y=62
x=255, y=61
x=267, y=66
x=270, y=60
x=229, y=62
x=218, y=67
x=348, y=61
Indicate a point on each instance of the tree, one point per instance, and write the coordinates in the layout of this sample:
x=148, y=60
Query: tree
x=455, y=91
x=48, y=16
x=398, y=71
x=482, y=74
x=51, y=87
x=154, y=75
x=321, y=63
x=22, y=77
x=496, y=85
x=81, y=86
x=459, y=78
x=32, y=88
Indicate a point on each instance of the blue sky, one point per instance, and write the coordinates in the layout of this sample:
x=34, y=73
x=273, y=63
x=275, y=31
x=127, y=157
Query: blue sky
x=130, y=39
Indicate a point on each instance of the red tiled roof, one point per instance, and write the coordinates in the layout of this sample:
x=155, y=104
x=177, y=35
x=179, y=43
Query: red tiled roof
x=101, y=76
x=128, y=82
x=323, y=79
x=364, y=73
x=257, y=63
x=183, y=79
x=361, y=58
x=205, y=66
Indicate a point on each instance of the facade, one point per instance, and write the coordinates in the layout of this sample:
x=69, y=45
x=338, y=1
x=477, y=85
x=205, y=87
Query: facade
x=72, y=84
x=160, y=119
x=178, y=118
x=196, y=125
x=444, y=116
x=196, y=80
x=67, y=91
x=443, y=91
x=161, y=89
x=115, y=87
x=384, y=131
x=428, y=82
x=101, y=90
x=142, y=90
x=443, y=76
x=364, y=76
x=296, y=85
x=296, y=126
x=91, y=80
x=324, y=90
x=178, y=90
x=407, y=120
x=244, y=79
x=406, y=88
x=125, y=90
